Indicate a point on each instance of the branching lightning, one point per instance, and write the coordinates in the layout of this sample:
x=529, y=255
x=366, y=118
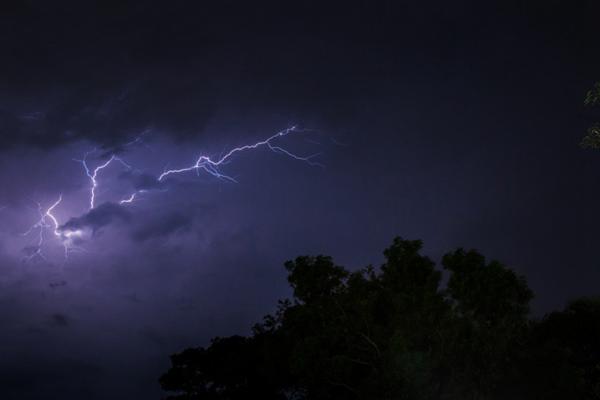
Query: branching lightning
x=48, y=220
x=212, y=166
x=93, y=174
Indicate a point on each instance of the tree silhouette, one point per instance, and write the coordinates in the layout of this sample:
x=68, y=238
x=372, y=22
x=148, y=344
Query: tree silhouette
x=394, y=332
x=565, y=350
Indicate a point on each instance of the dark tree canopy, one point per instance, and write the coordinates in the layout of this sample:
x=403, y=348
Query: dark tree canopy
x=395, y=332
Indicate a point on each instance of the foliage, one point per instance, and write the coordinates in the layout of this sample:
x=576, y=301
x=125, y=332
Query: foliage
x=592, y=138
x=394, y=332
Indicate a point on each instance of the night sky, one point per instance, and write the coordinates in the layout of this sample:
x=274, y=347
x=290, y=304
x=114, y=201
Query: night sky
x=454, y=122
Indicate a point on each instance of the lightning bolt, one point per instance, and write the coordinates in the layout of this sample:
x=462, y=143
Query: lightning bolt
x=49, y=214
x=203, y=163
x=49, y=221
x=212, y=166
x=207, y=164
x=129, y=200
x=132, y=197
x=93, y=174
x=41, y=225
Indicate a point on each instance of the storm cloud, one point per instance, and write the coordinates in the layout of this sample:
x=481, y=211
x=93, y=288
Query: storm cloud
x=97, y=218
x=163, y=226
x=109, y=118
x=452, y=122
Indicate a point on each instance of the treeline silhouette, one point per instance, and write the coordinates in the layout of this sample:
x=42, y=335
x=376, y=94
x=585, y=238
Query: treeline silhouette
x=395, y=332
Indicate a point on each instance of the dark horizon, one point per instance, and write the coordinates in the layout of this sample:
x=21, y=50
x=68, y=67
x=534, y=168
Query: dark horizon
x=457, y=124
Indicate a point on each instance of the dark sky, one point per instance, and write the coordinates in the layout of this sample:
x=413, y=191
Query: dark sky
x=454, y=122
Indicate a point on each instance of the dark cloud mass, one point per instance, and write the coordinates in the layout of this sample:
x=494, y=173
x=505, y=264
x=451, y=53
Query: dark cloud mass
x=452, y=122
x=141, y=181
x=163, y=226
x=108, y=116
x=97, y=218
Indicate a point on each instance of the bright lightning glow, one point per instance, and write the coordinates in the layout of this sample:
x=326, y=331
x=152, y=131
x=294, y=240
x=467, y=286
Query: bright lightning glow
x=52, y=217
x=128, y=200
x=211, y=166
x=132, y=197
x=42, y=224
x=205, y=163
x=93, y=175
